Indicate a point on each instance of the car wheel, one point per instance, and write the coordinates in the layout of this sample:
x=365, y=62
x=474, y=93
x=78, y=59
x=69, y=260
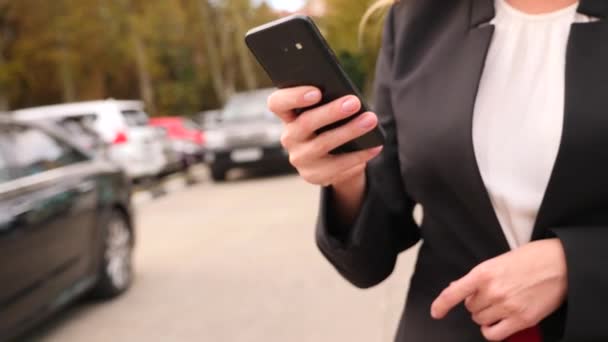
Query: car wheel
x=218, y=174
x=115, y=274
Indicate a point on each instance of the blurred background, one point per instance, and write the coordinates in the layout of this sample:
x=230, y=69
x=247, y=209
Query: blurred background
x=179, y=57
x=144, y=194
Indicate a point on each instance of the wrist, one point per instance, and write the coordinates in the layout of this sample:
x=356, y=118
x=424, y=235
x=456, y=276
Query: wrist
x=348, y=197
x=346, y=184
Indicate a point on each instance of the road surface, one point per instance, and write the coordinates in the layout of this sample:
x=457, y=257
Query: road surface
x=235, y=262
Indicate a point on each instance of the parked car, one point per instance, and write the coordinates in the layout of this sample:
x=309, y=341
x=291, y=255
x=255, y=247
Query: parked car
x=209, y=118
x=173, y=158
x=123, y=125
x=66, y=227
x=81, y=130
x=186, y=136
x=247, y=134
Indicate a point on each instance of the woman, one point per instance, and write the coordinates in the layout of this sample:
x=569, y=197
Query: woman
x=495, y=113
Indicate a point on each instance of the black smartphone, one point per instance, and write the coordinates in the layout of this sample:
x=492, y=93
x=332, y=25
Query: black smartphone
x=293, y=52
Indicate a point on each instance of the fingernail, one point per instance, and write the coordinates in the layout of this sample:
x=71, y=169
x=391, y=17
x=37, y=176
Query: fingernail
x=368, y=121
x=312, y=96
x=376, y=150
x=350, y=106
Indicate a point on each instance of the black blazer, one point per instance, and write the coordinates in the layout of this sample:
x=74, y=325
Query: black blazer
x=427, y=78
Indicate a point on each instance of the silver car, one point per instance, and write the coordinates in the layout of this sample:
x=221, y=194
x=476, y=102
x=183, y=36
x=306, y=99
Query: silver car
x=246, y=134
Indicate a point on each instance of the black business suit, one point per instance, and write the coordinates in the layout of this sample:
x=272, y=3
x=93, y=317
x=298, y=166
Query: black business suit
x=428, y=74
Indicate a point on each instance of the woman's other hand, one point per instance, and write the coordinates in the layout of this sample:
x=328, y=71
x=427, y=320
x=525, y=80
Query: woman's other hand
x=511, y=292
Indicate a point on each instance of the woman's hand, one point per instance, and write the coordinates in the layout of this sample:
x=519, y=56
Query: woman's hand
x=511, y=292
x=308, y=152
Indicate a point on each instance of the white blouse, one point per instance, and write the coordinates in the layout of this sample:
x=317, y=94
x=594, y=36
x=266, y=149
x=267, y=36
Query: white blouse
x=519, y=110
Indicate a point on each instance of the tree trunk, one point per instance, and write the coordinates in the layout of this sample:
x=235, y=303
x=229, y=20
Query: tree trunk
x=95, y=87
x=143, y=74
x=212, y=52
x=66, y=78
x=227, y=51
x=243, y=53
x=4, y=105
x=64, y=70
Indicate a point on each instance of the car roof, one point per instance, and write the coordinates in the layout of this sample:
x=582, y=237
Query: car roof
x=74, y=109
x=7, y=118
x=265, y=92
x=46, y=126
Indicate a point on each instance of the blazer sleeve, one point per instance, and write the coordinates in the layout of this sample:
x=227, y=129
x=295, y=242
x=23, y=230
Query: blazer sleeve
x=365, y=253
x=586, y=251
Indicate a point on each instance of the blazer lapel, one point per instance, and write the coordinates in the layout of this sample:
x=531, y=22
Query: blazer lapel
x=464, y=74
x=482, y=12
x=594, y=8
x=580, y=175
x=437, y=142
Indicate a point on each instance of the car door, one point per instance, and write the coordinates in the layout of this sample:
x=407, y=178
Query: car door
x=48, y=217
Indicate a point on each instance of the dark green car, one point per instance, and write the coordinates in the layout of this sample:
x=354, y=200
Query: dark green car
x=66, y=227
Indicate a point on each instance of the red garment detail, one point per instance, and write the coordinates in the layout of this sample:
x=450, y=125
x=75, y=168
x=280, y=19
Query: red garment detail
x=529, y=335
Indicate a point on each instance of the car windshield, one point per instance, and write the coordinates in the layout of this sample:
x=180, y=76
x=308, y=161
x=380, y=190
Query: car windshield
x=191, y=125
x=82, y=131
x=245, y=107
x=135, y=118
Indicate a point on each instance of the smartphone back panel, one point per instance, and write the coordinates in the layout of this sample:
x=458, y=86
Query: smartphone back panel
x=294, y=53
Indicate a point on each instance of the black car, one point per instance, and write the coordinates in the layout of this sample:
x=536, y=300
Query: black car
x=66, y=227
x=246, y=134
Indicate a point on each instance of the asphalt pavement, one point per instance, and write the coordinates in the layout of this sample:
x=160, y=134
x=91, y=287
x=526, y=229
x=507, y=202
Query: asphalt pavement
x=234, y=262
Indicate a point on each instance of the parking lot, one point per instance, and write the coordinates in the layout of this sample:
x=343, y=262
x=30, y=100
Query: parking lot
x=234, y=262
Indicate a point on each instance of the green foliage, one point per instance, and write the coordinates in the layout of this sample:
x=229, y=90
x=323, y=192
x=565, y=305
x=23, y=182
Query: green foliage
x=353, y=65
x=341, y=27
x=180, y=56
x=71, y=50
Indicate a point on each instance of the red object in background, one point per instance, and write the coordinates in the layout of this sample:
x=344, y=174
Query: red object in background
x=179, y=128
x=529, y=335
x=120, y=138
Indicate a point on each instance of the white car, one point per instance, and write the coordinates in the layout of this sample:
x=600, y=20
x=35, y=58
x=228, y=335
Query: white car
x=122, y=125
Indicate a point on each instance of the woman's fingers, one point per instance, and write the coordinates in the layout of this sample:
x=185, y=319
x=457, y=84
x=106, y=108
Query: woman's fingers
x=502, y=330
x=489, y=315
x=311, y=154
x=283, y=102
x=324, y=171
x=478, y=302
x=352, y=162
x=456, y=293
x=322, y=145
x=305, y=126
x=330, y=140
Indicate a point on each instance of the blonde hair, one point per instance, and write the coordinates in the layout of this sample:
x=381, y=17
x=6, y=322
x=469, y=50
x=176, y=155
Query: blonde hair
x=375, y=8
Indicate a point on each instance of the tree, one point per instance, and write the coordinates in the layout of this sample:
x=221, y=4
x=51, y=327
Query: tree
x=210, y=47
x=238, y=11
x=357, y=53
x=179, y=56
x=6, y=70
